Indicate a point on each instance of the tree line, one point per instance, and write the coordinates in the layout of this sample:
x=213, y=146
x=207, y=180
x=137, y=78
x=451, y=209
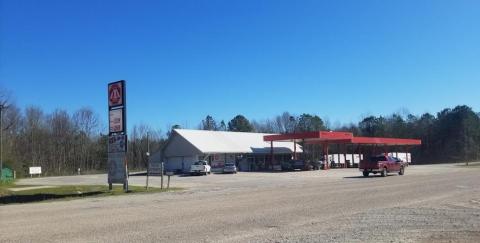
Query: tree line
x=451, y=135
x=61, y=142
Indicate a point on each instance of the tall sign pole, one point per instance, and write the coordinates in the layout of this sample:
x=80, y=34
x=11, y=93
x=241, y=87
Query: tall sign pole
x=117, y=135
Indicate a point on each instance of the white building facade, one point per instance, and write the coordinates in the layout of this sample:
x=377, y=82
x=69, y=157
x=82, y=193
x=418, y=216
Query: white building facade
x=247, y=150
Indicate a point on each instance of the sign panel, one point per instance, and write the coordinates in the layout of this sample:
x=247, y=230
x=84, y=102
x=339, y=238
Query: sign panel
x=116, y=94
x=35, y=170
x=117, y=140
x=117, y=168
x=115, y=118
x=117, y=143
x=155, y=168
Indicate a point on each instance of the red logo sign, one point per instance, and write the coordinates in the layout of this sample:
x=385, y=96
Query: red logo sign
x=115, y=94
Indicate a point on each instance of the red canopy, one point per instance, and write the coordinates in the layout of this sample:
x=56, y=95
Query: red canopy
x=329, y=137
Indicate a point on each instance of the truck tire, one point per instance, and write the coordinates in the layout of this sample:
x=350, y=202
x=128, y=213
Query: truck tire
x=402, y=171
x=384, y=172
x=365, y=173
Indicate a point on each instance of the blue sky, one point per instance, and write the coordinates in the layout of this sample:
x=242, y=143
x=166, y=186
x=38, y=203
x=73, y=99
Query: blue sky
x=185, y=59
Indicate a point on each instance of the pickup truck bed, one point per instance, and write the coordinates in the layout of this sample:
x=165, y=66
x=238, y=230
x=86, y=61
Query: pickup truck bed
x=200, y=168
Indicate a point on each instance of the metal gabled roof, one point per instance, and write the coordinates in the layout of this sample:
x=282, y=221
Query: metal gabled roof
x=233, y=142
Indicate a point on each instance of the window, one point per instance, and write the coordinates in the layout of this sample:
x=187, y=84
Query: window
x=378, y=158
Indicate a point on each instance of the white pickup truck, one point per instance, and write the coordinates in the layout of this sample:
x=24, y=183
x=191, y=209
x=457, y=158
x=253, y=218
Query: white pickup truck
x=200, y=168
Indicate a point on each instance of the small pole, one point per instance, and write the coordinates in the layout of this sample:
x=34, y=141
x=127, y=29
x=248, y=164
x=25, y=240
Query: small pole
x=125, y=182
x=161, y=175
x=168, y=183
x=148, y=160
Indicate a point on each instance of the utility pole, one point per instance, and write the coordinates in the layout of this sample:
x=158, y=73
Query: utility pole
x=1, y=140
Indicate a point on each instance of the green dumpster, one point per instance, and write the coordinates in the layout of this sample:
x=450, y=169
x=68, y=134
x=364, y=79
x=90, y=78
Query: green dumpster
x=7, y=174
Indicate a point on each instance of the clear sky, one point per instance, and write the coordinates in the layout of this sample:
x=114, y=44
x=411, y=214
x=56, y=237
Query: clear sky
x=183, y=60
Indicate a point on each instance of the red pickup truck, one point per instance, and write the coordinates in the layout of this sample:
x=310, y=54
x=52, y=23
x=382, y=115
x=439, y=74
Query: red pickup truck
x=382, y=164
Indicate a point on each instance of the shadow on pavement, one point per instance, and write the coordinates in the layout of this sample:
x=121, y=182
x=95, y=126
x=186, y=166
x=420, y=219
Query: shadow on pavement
x=138, y=174
x=362, y=177
x=41, y=197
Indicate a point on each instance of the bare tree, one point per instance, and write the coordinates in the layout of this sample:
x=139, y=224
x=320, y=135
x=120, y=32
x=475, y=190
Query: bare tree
x=9, y=115
x=86, y=121
x=61, y=140
x=86, y=124
x=265, y=126
x=285, y=123
x=34, y=129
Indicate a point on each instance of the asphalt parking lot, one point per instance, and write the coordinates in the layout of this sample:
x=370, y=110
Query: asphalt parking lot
x=241, y=180
x=431, y=203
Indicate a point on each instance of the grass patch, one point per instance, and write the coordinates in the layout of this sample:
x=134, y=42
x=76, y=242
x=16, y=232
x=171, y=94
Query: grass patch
x=4, y=185
x=70, y=192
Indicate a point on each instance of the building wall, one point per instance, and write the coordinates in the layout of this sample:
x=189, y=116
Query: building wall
x=259, y=162
x=179, y=154
x=244, y=162
x=179, y=147
x=217, y=161
x=180, y=163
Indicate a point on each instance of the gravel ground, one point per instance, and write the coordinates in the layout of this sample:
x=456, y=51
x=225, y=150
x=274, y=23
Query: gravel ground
x=431, y=203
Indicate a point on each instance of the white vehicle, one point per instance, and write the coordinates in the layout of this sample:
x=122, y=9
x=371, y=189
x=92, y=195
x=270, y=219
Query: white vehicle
x=200, y=168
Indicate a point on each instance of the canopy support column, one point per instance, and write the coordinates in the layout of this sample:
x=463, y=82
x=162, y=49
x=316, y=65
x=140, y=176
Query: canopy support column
x=406, y=155
x=325, y=154
x=294, y=149
x=272, y=159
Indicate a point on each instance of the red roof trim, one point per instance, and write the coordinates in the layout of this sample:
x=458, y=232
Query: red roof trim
x=387, y=141
x=320, y=137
